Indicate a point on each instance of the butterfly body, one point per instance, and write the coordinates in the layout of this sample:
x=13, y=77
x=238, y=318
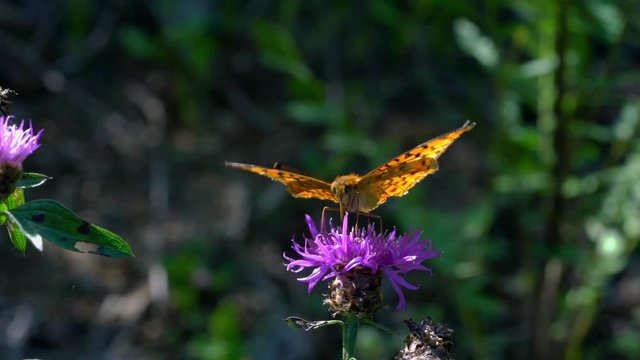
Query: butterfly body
x=345, y=189
x=355, y=193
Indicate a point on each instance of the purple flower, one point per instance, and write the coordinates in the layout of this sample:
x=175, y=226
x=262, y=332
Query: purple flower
x=334, y=253
x=16, y=142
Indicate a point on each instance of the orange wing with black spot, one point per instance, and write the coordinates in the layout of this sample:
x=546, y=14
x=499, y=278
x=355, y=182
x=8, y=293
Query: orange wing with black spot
x=403, y=172
x=298, y=185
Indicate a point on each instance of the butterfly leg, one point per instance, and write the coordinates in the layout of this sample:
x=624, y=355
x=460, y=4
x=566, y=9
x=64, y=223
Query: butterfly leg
x=325, y=209
x=370, y=215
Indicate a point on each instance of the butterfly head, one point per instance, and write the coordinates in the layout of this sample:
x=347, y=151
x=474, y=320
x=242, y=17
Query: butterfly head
x=344, y=188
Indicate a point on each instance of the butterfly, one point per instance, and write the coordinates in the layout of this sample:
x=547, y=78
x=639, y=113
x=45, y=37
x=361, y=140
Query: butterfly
x=355, y=193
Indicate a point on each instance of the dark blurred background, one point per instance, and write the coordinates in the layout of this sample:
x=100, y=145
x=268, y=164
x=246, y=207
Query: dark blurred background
x=536, y=211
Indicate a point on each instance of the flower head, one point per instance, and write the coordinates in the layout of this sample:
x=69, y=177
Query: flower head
x=339, y=251
x=16, y=142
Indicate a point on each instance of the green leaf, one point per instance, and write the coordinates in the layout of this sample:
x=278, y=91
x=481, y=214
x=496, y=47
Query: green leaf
x=53, y=221
x=12, y=201
x=31, y=180
x=18, y=239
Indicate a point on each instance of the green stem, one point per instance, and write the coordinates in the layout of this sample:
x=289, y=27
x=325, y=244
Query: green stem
x=349, y=336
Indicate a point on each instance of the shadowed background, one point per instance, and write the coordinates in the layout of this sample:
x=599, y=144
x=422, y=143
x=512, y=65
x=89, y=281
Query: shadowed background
x=536, y=211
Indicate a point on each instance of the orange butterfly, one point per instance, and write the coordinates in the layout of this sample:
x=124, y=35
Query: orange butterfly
x=355, y=193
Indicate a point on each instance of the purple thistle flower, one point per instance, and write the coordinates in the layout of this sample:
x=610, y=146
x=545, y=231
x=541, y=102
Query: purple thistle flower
x=16, y=142
x=332, y=254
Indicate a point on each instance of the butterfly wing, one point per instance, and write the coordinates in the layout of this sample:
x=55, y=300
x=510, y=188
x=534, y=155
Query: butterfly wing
x=298, y=185
x=395, y=181
x=403, y=172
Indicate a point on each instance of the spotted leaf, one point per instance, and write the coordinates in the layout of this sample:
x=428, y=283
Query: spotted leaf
x=50, y=220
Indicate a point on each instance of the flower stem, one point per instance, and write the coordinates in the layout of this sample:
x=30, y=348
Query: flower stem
x=349, y=336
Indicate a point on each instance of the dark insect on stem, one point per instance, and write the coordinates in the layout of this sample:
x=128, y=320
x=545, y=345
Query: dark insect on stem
x=5, y=93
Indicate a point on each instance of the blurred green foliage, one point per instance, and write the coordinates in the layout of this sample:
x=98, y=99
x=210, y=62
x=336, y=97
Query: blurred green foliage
x=536, y=211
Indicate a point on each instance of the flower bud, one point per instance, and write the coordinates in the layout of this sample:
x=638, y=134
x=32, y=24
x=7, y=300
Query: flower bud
x=356, y=291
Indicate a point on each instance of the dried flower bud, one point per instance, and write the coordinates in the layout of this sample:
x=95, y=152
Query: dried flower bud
x=426, y=341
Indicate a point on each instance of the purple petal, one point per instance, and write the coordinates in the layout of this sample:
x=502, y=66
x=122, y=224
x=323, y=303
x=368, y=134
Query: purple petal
x=402, y=304
x=312, y=226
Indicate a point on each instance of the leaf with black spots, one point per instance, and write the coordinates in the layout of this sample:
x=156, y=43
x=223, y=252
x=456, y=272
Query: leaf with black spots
x=53, y=221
